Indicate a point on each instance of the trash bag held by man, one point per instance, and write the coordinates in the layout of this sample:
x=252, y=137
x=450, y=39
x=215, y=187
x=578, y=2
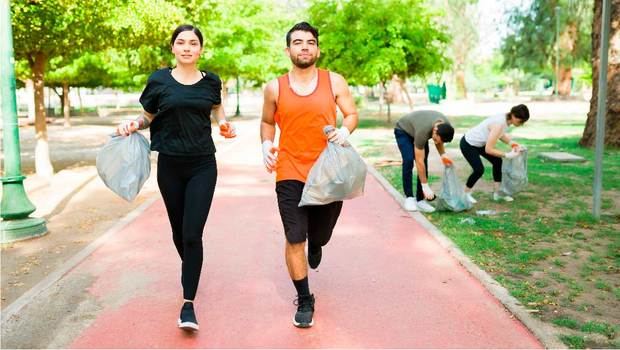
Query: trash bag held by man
x=124, y=164
x=338, y=174
x=514, y=174
x=452, y=196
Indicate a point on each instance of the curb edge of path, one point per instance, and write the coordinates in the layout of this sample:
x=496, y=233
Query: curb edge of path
x=13, y=309
x=547, y=335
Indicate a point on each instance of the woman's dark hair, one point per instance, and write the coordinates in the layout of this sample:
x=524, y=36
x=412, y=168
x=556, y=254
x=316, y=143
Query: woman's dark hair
x=445, y=132
x=304, y=27
x=186, y=28
x=520, y=112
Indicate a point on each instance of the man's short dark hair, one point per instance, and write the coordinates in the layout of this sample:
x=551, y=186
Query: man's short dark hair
x=445, y=132
x=520, y=112
x=304, y=27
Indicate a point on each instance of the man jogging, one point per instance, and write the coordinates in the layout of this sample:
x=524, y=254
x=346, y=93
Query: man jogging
x=301, y=103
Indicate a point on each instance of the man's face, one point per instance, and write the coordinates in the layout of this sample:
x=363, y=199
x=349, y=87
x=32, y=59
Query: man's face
x=303, y=50
x=436, y=138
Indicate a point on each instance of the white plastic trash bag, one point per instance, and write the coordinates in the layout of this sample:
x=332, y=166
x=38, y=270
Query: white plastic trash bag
x=124, y=164
x=452, y=196
x=338, y=174
x=514, y=174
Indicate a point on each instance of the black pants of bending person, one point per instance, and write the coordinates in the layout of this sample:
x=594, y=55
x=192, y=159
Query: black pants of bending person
x=187, y=184
x=472, y=154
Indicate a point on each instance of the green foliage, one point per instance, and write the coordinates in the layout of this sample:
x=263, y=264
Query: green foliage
x=369, y=41
x=60, y=27
x=531, y=44
x=246, y=40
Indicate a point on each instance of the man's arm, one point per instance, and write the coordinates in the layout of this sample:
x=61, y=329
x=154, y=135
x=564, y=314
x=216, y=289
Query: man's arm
x=419, y=164
x=344, y=101
x=268, y=125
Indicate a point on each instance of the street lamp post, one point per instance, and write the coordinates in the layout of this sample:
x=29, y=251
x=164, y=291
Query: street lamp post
x=15, y=206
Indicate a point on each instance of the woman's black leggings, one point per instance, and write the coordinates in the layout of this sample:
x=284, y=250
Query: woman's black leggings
x=187, y=184
x=472, y=155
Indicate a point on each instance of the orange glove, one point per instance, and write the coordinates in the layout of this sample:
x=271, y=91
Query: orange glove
x=446, y=160
x=514, y=145
x=227, y=130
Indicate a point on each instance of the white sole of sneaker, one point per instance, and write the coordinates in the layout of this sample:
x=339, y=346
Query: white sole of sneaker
x=187, y=326
x=303, y=325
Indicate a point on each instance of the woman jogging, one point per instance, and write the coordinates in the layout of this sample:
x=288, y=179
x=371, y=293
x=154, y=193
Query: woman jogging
x=178, y=103
x=481, y=140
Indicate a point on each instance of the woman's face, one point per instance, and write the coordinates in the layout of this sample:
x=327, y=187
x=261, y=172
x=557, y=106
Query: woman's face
x=186, y=48
x=516, y=121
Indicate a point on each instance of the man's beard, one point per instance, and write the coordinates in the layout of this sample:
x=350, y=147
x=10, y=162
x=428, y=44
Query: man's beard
x=303, y=64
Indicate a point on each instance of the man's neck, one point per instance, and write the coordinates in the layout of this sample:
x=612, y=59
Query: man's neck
x=304, y=75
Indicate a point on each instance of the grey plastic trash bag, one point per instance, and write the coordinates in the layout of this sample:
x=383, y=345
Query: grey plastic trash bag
x=452, y=196
x=514, y=174
x=124, y=164
x=338, y=174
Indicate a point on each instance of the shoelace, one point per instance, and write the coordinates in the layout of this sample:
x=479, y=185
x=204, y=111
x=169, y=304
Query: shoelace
x=304, y=305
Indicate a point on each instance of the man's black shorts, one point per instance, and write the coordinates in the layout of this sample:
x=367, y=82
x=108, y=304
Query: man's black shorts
x=314, y=222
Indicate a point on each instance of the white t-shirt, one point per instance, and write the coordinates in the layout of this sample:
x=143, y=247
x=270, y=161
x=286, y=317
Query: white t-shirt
x=479, y=134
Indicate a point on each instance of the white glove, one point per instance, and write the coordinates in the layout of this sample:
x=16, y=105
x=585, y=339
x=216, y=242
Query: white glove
x=269, y=155
x=511, y=154
x=339, y=136
x=428, y=192
x=126, y=127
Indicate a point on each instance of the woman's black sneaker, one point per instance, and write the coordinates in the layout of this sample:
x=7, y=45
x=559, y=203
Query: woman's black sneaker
x=187, y=320
x=305, y=311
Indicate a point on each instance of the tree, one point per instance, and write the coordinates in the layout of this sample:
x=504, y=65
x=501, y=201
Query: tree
x=246, y=41
x=461, y=18
x=44, y=30
x=531, y=45
x=612, y=120
x=369, y=41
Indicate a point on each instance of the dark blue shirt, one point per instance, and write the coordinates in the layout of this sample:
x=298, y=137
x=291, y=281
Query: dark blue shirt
x=182, y=124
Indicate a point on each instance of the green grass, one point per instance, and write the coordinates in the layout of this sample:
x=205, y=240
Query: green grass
x=600, y=328
x=573, y=341
x=566, y=322
x=549, y=218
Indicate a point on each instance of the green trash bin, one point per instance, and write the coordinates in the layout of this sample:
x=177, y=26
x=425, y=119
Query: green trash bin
x=434, y=93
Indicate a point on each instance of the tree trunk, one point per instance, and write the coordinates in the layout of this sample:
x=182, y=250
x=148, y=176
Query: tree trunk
x=461, y=88
x=564, y=86
x=43, y=166
x=612, y=119
x=30, y=99
x=66, y=106
x=80, y=100
x=381, y=98
x=403, y=87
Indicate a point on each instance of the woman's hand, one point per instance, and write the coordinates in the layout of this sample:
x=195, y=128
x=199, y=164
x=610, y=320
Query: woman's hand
x=127, y=127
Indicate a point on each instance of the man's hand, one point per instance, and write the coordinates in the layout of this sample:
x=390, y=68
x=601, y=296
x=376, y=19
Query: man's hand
x=339, y=136
x=227, y=129
x=428, y=192
x=446, y=160
x=270, y=155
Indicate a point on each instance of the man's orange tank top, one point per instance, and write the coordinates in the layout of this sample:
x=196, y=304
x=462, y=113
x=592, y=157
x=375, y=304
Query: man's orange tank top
x=301, y=120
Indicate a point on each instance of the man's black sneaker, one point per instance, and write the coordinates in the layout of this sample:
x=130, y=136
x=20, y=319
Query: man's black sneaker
x=187, y=320
x=305, y=311
x=314, y=256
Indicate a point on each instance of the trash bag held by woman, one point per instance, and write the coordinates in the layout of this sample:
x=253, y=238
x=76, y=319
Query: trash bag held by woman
x=124, y=164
